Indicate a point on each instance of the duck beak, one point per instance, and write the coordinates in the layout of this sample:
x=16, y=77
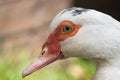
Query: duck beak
x=49, y=53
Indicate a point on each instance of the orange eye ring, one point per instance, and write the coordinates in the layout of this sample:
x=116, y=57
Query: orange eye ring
x=66, y=29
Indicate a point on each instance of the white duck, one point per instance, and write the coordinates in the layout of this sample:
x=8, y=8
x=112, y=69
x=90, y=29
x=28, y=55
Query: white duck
x=86, y=33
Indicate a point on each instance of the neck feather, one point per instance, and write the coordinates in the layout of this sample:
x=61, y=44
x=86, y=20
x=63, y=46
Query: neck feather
x=107, y=70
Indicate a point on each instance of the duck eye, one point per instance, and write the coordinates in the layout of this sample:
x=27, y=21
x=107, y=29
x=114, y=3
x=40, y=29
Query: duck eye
x=67, y=28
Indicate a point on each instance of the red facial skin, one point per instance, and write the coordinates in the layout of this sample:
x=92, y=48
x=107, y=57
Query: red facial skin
x=51, y=50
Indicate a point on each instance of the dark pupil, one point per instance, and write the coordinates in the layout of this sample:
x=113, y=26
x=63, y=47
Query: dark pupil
x=67, y=28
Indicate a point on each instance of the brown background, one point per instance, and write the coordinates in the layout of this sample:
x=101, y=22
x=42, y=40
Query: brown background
x=26, y=22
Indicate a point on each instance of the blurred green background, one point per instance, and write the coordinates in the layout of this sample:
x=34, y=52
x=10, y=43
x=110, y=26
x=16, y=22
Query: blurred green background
x=24, y=28
x=12, y=65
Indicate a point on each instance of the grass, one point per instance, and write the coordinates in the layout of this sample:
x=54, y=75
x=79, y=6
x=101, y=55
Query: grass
x=12, y=65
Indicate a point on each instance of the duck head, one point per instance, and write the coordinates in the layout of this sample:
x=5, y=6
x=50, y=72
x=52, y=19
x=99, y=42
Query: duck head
x=74, y=33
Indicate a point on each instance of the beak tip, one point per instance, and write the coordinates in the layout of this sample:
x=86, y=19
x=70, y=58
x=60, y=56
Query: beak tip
x=24, y=75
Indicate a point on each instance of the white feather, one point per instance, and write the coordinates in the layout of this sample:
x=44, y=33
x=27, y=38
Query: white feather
x=98, y=38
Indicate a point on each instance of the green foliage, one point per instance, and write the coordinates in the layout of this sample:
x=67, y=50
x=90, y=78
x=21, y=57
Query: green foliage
x=88, y=67
x=12, y=65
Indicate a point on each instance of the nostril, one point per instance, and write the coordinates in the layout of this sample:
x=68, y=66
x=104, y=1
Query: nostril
x=42, y=52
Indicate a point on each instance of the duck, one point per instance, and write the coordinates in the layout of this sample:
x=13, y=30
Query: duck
x=82, y=33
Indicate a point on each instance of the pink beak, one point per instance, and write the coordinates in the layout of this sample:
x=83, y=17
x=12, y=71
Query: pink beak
x=50, y=53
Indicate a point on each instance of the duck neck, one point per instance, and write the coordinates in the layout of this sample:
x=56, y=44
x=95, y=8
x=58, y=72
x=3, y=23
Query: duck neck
x=107, y=70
